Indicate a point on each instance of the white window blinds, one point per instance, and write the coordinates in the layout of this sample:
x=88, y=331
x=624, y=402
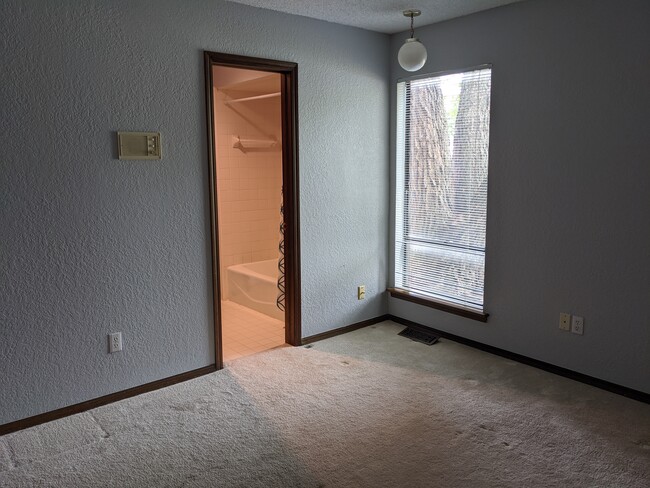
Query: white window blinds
x=443, y=132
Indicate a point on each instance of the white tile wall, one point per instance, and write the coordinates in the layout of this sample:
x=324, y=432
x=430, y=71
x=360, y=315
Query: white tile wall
x=249, y=183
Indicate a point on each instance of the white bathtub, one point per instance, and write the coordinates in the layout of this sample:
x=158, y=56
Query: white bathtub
x=255, y=285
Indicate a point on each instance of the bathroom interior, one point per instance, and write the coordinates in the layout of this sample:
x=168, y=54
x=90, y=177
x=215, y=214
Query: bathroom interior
x=248, y=149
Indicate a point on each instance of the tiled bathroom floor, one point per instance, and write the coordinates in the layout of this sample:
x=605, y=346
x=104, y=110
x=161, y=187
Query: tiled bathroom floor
x=247, y=331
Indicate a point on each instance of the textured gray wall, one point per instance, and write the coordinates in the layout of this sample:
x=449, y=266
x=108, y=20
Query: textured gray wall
x=568, y=198
x=91, y=244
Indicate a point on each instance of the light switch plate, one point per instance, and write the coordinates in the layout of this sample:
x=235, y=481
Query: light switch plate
x=139, y=145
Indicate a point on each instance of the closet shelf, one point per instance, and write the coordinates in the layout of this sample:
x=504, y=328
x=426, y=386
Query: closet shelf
x=248, y=99
x=243, y=143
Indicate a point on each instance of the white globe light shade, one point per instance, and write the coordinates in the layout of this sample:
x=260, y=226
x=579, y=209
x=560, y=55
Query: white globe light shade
x=412, y=55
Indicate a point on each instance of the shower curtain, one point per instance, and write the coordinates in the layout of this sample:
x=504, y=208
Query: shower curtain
x=281, y=289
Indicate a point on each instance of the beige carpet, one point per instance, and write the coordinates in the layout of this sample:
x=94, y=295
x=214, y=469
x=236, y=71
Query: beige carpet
x=367, y=409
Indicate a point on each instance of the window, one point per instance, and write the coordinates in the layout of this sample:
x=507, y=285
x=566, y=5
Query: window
x=443, y=127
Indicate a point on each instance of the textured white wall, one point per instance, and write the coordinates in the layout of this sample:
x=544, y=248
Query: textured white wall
x=91, y=244
x=568, y=200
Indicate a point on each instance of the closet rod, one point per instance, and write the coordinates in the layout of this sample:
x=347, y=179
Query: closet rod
x=258, y=97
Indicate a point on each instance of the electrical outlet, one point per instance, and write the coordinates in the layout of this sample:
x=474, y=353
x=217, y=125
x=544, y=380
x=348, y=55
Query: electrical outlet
x=361, y=292
x=565, y=321
x=115, y=342
x=577, y=325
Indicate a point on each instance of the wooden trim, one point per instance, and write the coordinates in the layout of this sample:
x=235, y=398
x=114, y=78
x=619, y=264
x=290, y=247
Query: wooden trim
x=291, y=207
x=567, y=373
x=346, y=329
x=249, y=62
x=289, y=101
x=214, y=214
x=103, y=400
x=439, y=305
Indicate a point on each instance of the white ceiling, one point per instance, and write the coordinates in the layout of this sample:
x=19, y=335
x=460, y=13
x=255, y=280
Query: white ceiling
x=377, y=15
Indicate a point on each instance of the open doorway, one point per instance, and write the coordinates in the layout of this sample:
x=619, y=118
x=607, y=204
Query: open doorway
x=248, y=136
x=251, y=108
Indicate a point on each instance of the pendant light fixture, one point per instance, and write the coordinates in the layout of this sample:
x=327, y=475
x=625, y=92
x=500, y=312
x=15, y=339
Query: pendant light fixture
x=412, y=55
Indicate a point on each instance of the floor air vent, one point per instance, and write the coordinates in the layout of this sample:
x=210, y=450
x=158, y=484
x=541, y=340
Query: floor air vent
x=420, y=336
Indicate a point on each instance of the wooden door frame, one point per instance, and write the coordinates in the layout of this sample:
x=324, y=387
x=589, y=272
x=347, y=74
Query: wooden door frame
x=289, y=101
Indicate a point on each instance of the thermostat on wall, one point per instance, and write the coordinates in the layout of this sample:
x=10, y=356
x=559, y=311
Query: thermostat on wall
x=138, y=145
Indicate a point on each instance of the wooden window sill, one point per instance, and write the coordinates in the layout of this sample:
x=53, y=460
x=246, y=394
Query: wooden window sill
x=439, y=305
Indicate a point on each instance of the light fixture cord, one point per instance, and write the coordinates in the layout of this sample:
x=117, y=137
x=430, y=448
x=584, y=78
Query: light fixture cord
x=412, y=31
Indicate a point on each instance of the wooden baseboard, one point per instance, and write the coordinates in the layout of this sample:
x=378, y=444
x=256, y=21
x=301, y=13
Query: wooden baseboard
x=567, y=373
x=162, y=383
x=103, y=400
x=344, y=330
x=154, y=385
